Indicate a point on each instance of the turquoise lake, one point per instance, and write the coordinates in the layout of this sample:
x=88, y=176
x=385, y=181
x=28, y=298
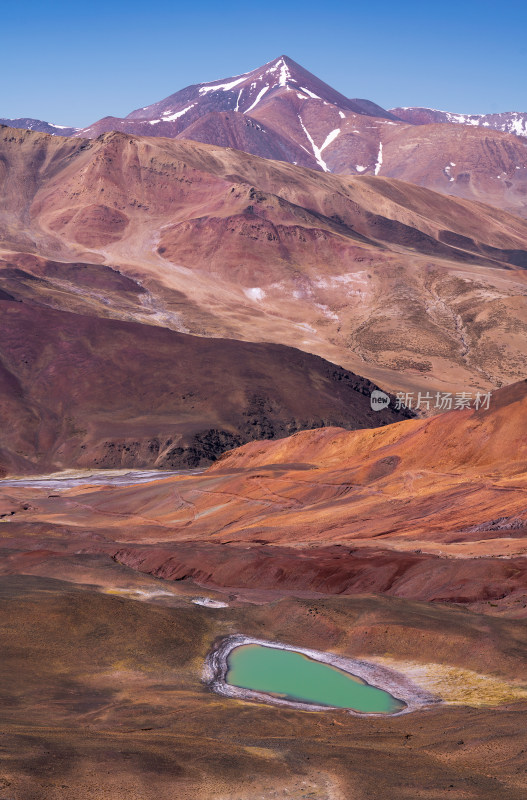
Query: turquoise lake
x=295, y=676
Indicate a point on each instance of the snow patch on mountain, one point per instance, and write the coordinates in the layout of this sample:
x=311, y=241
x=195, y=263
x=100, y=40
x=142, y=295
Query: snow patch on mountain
x=378, y=165
x=330, y=138
x=317, y=152
x=464, y=119
x=285, y=75
x=311, y=94
x=224, y=87
x=518, y=124
x=169, y=117
x=258, y=98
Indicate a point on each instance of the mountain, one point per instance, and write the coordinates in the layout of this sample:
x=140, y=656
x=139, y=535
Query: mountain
x=508, y=121
x=408, y=287
x=281, y=111
x=225, y=113
x=281, y=80
x=245, y=92
x=39, y=125
x=81, y=390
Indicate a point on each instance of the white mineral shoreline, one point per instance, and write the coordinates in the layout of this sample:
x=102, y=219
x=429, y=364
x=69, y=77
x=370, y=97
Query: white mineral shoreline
x=398, y=685
x=72, y=478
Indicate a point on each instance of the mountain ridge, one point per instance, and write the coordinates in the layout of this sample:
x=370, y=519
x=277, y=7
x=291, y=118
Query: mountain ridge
x=281, y=111
x=514, y=122
x=409, y=287
x=30, y=124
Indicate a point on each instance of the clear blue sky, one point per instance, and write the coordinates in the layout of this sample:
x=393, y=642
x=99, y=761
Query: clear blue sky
x=72, y=63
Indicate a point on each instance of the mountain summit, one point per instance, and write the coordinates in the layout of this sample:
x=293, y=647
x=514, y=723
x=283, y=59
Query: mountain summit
x=244, y=93
x=269, y=111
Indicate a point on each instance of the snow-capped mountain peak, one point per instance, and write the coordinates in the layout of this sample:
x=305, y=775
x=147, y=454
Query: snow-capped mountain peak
x=506, y=121
x=244, y=93
x=281, y=66
x=30, y=124
x=252, y=86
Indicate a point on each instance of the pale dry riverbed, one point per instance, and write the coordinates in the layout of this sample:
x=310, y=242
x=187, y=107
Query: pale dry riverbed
x=68, y=479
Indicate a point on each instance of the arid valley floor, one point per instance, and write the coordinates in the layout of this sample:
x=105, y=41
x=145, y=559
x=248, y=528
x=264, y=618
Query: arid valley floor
x=104, y=642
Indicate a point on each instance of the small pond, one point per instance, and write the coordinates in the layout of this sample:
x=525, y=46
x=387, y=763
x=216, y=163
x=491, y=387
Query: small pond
x=294, y=676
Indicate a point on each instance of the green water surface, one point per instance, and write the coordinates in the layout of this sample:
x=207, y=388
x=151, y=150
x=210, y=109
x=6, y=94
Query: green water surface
x=294, y=676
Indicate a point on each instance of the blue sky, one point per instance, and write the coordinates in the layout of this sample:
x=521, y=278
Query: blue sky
x=73, y=63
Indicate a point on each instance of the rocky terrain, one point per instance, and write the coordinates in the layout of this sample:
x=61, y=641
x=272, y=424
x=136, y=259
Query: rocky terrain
x=402, y=545
x=407, y=287
x=430, y=509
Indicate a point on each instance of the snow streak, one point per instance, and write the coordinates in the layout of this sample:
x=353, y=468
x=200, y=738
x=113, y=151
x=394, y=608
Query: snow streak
x=317, y=151
x=378, y=165
x=258, y=98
